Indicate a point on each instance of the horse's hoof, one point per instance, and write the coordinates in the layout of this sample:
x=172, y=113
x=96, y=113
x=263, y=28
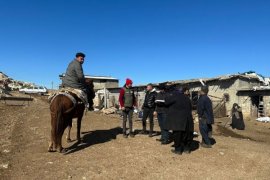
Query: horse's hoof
x=69, y=140
x=51, y=149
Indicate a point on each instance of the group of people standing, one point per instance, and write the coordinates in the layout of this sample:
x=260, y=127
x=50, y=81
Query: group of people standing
x=173, y=108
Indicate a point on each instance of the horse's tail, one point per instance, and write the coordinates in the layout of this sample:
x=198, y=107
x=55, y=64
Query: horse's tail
x=58, y=124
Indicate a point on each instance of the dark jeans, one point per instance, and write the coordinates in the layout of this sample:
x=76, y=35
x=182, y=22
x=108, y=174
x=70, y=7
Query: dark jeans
x=148, y=112
x=127, y=114
x=204, y=130
x=178, y=138
x=164, y=133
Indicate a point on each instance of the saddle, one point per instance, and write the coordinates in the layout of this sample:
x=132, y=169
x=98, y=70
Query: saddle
x=69, y=92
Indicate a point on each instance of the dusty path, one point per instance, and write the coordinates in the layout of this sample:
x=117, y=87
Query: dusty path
x=105, y=154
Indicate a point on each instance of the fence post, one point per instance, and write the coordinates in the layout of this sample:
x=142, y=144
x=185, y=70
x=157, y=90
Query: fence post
x=105, y=99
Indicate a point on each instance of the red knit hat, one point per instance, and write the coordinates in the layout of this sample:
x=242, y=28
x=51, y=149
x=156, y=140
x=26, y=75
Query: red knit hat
x=128, y=81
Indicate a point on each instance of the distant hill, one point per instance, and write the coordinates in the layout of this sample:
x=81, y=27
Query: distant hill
x=7, y=83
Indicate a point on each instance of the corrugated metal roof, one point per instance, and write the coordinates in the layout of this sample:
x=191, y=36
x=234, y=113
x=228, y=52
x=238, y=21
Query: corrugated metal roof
x=94, y=77
x=100, y=77
x=219, y=78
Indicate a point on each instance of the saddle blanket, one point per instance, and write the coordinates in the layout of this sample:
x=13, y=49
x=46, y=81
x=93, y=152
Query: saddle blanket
x=66, y=91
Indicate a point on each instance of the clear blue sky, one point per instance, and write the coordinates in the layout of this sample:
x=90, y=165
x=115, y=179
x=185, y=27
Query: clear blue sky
x=146, y=40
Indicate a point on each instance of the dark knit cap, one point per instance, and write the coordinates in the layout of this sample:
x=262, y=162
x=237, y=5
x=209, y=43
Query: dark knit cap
x=80, y=54
x=162, y=86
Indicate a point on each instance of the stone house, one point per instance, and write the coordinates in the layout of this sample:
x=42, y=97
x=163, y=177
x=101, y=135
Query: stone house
x=224, y=92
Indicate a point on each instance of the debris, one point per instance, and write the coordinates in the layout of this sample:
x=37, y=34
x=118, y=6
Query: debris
x=96, y=109
x=6, y=151
x=221, y=153
x=50, y=162
x=263, y=119
x=5, y=166
x=111, y=110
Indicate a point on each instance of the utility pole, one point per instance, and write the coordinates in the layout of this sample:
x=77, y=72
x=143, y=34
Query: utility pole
x=52, y=85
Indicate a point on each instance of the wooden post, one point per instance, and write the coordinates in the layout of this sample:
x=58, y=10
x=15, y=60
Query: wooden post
x=105, y=98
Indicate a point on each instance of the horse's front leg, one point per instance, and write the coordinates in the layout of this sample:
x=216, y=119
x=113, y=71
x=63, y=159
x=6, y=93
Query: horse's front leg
x=79, y=120
x=68, y=134
x=52, y=147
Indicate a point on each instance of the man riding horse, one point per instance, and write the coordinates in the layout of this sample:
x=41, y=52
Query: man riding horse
x=74, y=77
x=69, y=103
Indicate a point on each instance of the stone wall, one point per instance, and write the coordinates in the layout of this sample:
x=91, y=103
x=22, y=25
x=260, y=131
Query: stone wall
x=245, y=103
x=249, y=101
x=107, y=84
x=266, y=100
x=217, y=89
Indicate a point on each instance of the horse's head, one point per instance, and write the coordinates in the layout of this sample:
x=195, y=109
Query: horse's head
x=89, y=83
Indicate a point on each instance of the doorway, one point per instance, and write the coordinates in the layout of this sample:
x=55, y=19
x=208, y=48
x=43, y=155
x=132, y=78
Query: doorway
x=256, y=106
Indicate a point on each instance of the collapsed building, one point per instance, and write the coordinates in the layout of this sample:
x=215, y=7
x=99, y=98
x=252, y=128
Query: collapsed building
x=250, y=90
x=8, y=84
x=4, y=81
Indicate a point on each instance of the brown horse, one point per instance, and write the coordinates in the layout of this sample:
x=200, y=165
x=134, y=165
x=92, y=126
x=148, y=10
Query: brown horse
x=63, y=110
x=92, y=95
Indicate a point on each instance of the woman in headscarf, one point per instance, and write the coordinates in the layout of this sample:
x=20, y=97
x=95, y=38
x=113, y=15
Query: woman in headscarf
x=237, y=117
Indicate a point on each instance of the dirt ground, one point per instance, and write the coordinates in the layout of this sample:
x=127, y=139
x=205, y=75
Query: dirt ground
x=105, y=154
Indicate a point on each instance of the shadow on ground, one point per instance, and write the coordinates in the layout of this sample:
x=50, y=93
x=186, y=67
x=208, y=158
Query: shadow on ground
x=94, y=137
x=195, y=145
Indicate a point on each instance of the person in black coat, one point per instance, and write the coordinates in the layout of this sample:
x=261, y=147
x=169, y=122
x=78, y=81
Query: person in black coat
x=178, y=117
x=188, y=137
x=237, y=117
x=206, y=117
x=149, y=107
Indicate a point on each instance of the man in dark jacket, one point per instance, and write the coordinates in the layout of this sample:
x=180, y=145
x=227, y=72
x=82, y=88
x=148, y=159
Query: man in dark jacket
x=178, y=116
x=206, y=117
x=74, y=76
x=127, y=102
x=148, y=109
x=188, y=136
x=160, y=111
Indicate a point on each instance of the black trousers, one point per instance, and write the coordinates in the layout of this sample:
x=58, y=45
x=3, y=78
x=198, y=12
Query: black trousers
x=127, y=114
x=148, y=113
x=178, y=138
x=188, y=134
x=188, y=138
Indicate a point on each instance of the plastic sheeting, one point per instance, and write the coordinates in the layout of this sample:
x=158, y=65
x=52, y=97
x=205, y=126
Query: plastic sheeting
x=263, y=119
